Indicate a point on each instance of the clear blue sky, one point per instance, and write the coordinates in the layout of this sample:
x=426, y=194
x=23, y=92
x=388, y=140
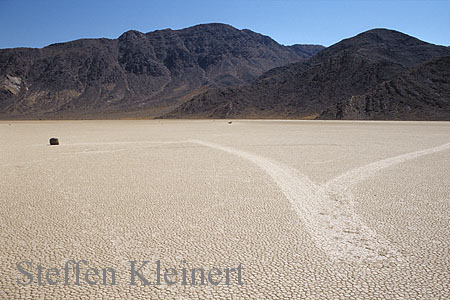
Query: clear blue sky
x=37, y=23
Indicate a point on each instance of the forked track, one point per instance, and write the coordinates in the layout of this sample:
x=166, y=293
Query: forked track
x=327, y=210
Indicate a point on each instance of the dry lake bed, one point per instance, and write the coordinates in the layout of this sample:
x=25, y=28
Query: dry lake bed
x=253, y=209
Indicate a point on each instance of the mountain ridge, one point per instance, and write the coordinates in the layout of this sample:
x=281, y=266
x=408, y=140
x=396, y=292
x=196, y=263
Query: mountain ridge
x=137, y=73
x=308, y=89
x=217, y=71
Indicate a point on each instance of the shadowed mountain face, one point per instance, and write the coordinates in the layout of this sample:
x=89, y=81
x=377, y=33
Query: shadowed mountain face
x=378, y=74
x=306, y=51
x=422, y=93
x=138, y=73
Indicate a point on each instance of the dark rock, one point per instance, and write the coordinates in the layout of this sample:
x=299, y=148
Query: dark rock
x=54, y=141
x=148, y=73
x=422, y=93
x=306, y=51
x=369, y=76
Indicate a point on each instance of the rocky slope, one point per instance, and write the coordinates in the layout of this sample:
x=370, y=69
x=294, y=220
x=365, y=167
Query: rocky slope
x=422, y=93
x=378, y=74
x=136, y=74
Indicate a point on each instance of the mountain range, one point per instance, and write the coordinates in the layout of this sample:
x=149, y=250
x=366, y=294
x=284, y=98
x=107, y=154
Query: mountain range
x=218, y=71
x=140, y=74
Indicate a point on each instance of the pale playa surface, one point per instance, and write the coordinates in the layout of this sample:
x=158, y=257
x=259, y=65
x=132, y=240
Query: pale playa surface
x=329, y=210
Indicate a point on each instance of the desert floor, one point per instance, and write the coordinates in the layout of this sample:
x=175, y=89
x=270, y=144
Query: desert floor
x=310, y=209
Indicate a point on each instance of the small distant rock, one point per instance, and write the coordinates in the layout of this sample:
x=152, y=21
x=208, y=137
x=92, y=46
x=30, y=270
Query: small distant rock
x=230, y=122
x=54, y=141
